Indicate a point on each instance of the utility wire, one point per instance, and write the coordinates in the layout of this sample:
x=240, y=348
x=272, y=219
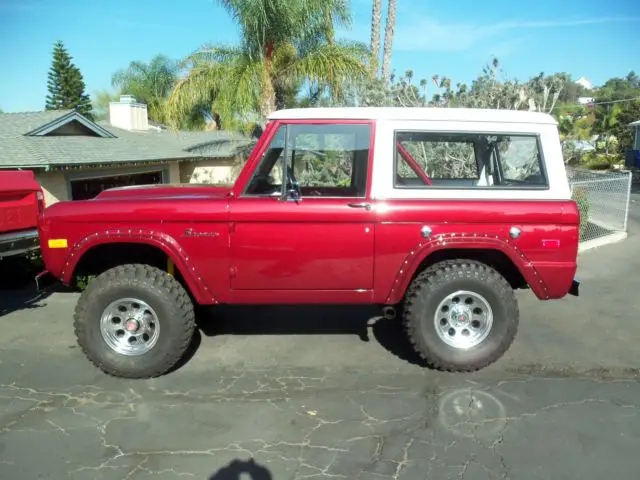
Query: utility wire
x=593, y=104
x=613, y=101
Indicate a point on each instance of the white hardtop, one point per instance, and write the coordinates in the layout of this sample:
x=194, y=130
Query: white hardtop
x=415, y=113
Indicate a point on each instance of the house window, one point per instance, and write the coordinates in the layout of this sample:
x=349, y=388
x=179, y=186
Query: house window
x=467, y=160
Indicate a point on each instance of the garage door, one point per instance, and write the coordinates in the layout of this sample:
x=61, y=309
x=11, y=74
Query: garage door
x=90, y=187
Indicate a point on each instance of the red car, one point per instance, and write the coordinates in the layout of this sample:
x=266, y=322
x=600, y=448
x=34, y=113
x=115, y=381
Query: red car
x=21, y=202
x=438, y=214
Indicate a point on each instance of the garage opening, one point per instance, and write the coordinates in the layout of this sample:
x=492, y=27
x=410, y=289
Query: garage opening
x=90, y=187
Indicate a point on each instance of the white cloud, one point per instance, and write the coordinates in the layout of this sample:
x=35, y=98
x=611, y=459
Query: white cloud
x=507, y=47
x=428, y=34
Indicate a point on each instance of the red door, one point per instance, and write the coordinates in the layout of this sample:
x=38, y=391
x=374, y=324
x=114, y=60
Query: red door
x=317, y=244
x=315, y=229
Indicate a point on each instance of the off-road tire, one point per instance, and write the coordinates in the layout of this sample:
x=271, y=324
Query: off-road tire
x=441, y=279
x=163, y=293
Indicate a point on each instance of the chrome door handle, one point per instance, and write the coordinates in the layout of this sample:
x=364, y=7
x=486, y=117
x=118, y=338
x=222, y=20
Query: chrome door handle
x=366, y=206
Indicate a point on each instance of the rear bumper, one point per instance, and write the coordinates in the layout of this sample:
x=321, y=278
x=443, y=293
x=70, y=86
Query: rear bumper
x=575, y=288
x=16, y=243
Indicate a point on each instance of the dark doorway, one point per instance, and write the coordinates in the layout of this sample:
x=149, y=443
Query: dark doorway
x=90, y=187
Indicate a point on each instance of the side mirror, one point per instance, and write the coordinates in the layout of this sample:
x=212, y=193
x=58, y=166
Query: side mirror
x=292, y=195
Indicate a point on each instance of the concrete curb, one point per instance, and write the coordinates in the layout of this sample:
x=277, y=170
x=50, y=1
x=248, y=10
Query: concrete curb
x=599, y=242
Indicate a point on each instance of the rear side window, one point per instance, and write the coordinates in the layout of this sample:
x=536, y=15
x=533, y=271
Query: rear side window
x=467, y=160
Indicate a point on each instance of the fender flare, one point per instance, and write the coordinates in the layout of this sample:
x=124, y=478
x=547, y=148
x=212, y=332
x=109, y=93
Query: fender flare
x=160, y=240
x=447, y=241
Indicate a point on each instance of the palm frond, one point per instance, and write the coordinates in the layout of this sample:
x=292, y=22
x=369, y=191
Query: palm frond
x=285, y=44
x=199, y=86
x=331, y=65
x=283, y=56
x=232, y=87
x=149, y=82
x=212, y=53
x=238, y=99
x=262, y=22
x=270, y=23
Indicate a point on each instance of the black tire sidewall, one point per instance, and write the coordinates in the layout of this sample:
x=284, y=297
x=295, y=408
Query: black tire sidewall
x=100, y=295
x=424, y=309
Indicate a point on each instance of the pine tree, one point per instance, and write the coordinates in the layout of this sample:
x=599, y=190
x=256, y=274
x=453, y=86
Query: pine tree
x=66, y=85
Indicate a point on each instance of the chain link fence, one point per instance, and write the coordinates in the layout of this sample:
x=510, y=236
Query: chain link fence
x=603, y=200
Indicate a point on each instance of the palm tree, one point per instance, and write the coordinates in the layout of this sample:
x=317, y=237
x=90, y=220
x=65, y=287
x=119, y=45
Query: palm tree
x=606, y=121
x=376, y=16
x=149, y=83
x=101, y=101
x=284, y=43
x=389, y=32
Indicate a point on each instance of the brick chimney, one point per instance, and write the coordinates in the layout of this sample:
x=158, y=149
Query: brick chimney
x=127, y=114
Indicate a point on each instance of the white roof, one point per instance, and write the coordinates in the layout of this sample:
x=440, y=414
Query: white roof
x=415, y=113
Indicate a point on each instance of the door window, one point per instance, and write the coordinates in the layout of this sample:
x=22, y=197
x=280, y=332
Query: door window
x=267, y=177
x=316, y=160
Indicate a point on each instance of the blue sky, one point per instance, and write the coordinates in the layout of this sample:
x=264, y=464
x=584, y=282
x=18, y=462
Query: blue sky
x=597, y=39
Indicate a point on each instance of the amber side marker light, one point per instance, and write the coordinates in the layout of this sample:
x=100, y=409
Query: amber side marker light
x=57, y=243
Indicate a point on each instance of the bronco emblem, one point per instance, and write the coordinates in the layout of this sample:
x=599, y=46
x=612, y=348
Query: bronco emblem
x=189, y=232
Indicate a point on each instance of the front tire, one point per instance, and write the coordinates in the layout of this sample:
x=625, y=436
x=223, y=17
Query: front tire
x=134, y=321
x=460, y=315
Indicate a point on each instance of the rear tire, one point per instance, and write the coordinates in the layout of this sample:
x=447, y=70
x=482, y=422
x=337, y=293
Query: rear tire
x=134, y=321
x=460, y=315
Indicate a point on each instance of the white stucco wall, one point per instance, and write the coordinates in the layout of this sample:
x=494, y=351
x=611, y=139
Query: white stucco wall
x=54, y=186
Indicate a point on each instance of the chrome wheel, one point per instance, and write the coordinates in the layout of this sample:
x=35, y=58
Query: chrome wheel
x=463, y=319
x=130, y=326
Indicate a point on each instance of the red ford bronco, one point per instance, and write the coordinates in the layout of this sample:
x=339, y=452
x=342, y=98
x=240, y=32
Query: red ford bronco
x=439, y=214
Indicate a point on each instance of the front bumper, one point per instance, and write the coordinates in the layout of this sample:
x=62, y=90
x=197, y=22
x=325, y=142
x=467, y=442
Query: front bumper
x=43, y=280
x=17, y=243
x=575, y=288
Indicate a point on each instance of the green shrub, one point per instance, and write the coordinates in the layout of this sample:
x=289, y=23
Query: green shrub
x=581, y=196
x=600, y=161
x=82, y=282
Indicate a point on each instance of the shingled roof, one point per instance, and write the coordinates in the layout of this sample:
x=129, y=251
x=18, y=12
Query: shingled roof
x=43, y=139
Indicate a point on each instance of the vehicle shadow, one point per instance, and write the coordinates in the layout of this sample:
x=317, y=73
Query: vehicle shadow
x=366, y=322
x=239, y=469
x=22, y=299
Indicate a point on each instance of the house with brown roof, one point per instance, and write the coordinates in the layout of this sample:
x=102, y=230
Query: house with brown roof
x=75, y=158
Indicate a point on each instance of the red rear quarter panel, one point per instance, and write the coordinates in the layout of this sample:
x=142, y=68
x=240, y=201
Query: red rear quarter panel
x=18, y=201
x=545, y=253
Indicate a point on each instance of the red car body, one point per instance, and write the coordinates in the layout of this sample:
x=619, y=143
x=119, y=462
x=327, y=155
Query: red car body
x=21, y=203
x=231, y=249
x=479, y=205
